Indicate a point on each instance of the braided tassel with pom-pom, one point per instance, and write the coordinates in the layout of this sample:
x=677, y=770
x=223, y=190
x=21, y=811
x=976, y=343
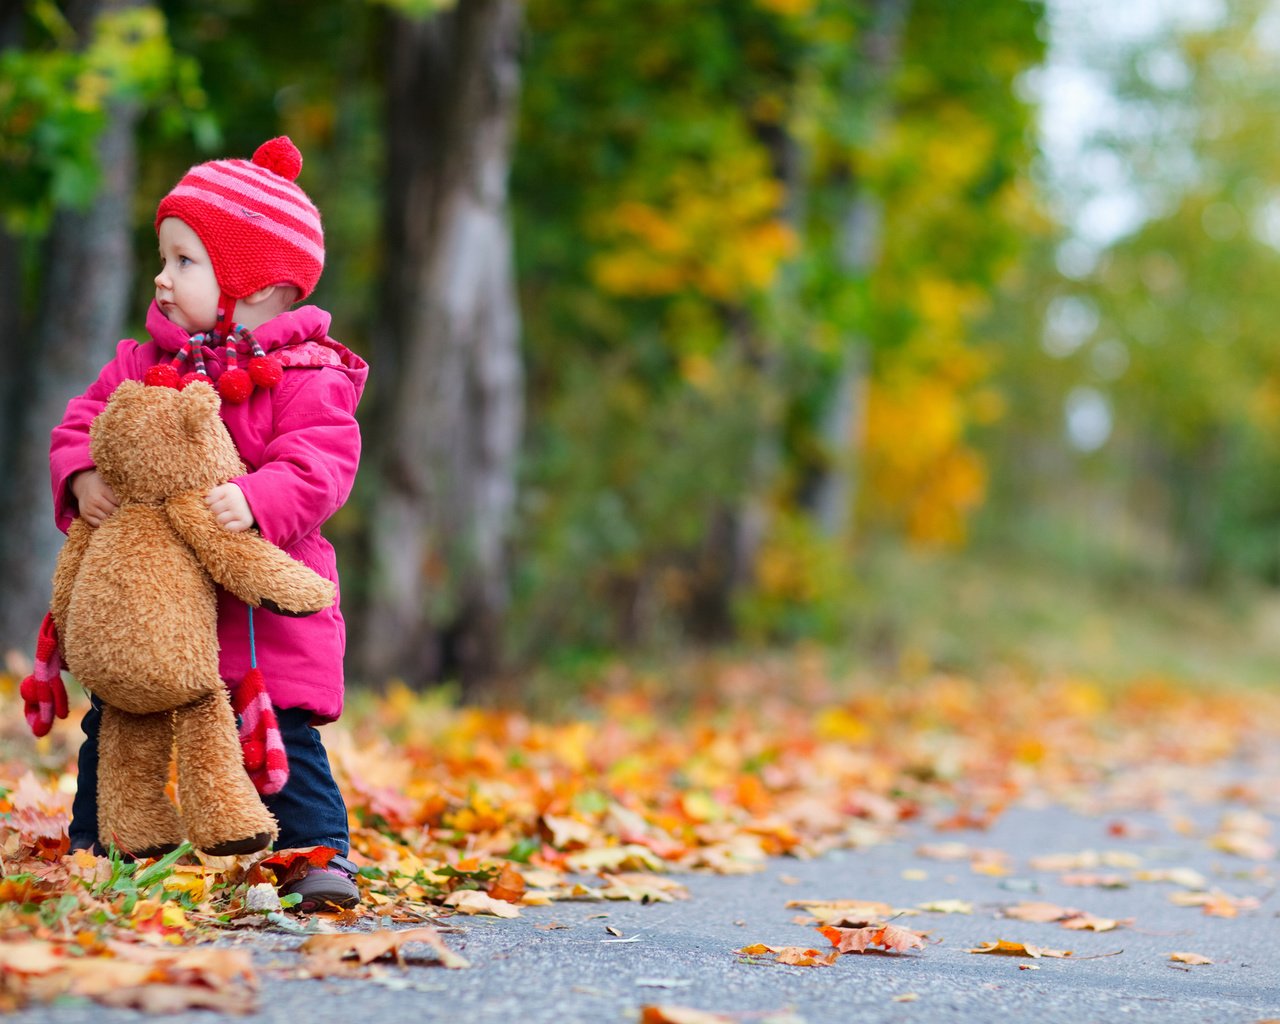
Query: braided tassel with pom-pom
x=265, y=370
x=235, y=384
x=261, y=743
x=43, y=694
x=198, y=371
x=168, y=375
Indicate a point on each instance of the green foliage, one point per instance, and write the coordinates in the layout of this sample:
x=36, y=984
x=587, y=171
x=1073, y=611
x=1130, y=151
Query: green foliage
x=134, y=881
x=54, y=97
x=1172, y=323
x=418, y=8
x=682, y=182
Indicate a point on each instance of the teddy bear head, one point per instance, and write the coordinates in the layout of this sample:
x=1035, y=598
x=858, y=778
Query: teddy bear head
x=150, y=443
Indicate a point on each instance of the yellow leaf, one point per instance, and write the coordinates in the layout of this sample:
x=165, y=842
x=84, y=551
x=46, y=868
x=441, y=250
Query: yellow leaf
x=1002, y=948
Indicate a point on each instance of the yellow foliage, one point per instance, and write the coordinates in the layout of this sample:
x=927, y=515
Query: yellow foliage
x=788, y=8
x=920, y=470
x=714, y=230
x=841, y=724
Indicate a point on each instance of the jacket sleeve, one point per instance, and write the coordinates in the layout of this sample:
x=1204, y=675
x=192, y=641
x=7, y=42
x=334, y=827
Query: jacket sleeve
x=309, y=467
x=69, y=442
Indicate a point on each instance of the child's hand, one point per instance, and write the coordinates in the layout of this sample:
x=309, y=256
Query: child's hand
x=94, y=496
x=229, y=506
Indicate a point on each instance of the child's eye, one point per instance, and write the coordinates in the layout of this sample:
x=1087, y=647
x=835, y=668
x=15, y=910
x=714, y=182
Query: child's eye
x=183, y=261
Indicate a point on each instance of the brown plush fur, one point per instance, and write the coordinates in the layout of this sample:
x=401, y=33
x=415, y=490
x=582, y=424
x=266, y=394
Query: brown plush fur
x=135, y=606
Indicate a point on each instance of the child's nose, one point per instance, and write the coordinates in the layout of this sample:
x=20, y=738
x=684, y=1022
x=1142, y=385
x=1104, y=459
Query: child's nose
x=162, y=280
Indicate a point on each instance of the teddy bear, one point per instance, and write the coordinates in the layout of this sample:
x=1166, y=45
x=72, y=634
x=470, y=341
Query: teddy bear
x=134, y=606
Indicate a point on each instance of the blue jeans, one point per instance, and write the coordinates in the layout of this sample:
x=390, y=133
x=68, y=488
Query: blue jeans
x=309, y=808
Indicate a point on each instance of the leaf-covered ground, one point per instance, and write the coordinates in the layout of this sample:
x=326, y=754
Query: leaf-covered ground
x=716, y=768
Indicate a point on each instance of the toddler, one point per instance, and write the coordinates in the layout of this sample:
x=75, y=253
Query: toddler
x=240, y=244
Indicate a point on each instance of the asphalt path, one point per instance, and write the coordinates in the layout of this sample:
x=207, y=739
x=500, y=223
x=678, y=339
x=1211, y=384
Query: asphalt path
x=591, y=962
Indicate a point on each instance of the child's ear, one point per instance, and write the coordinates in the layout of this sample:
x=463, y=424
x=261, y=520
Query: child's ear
x=283, y=295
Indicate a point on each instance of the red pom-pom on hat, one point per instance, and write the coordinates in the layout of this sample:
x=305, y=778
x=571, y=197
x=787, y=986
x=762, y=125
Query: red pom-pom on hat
x=192, y=377
x=281, y=156
x=268, y=232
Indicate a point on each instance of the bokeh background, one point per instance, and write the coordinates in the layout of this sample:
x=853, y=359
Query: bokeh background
x=935, y=335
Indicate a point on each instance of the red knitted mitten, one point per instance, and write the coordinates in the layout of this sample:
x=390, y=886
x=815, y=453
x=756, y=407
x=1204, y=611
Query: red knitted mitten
x=264, y=756
x=44, y=695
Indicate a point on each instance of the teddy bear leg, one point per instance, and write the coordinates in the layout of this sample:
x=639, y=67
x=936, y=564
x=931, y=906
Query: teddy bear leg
x=221, y=809
x=134, y=811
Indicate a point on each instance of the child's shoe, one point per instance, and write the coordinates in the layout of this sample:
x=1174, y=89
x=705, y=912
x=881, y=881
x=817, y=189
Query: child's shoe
x=331, y=887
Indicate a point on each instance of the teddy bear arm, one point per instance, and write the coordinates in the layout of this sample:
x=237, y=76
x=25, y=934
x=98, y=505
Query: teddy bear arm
x=67, y=568
x=253, y=569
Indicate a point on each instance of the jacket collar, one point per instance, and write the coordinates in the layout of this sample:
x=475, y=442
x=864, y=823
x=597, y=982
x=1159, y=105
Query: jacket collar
x=306, y=323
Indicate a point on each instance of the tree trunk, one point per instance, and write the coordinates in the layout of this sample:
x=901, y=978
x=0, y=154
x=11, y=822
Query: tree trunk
x=449, y=407
x=834, y=493
x=79, y=316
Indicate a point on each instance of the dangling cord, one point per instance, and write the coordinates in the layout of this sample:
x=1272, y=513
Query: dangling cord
x=198, y=371
x=235, y=384
x=253, y=651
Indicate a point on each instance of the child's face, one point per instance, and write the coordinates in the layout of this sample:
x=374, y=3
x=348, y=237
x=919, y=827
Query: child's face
x=186, y=288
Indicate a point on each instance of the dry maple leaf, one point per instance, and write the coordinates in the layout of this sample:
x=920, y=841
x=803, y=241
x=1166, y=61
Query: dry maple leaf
x=1002, y=948
x=888, y=937
x=680, y=1015
x=368, y=946
x=166, y=980
x=641, y=887
x=1188, y=878
x=795, y=956
x=845, y=913
x=1087, y=922
x=1216, y=903
x=39, y=812
x=509, y=885
x=946, y=907
x=1189, y=958
x=472, y=901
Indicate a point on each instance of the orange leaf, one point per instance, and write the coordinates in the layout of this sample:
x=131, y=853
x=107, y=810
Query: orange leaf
x=680, y=1015
x=509, y=885
x=887, y=936
x=795, y=956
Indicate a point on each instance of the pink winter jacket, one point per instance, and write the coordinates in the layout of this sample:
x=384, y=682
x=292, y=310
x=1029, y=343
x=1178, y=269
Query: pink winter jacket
x=301, y=443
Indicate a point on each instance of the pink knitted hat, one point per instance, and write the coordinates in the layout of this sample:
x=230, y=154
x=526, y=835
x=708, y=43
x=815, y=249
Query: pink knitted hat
x=258, y=226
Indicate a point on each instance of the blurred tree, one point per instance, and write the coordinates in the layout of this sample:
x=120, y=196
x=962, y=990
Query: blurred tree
x=1164, y=328
x=763, y=232
x=73, y=84
x=447, y=426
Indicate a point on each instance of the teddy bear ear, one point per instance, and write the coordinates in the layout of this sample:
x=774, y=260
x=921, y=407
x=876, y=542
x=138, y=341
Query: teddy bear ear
x=199, y=406
x=127, y=388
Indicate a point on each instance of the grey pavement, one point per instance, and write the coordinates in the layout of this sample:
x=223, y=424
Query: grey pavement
x=682, y=952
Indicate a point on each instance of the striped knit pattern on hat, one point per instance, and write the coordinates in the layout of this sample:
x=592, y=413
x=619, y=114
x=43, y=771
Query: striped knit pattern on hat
x=258, y=226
